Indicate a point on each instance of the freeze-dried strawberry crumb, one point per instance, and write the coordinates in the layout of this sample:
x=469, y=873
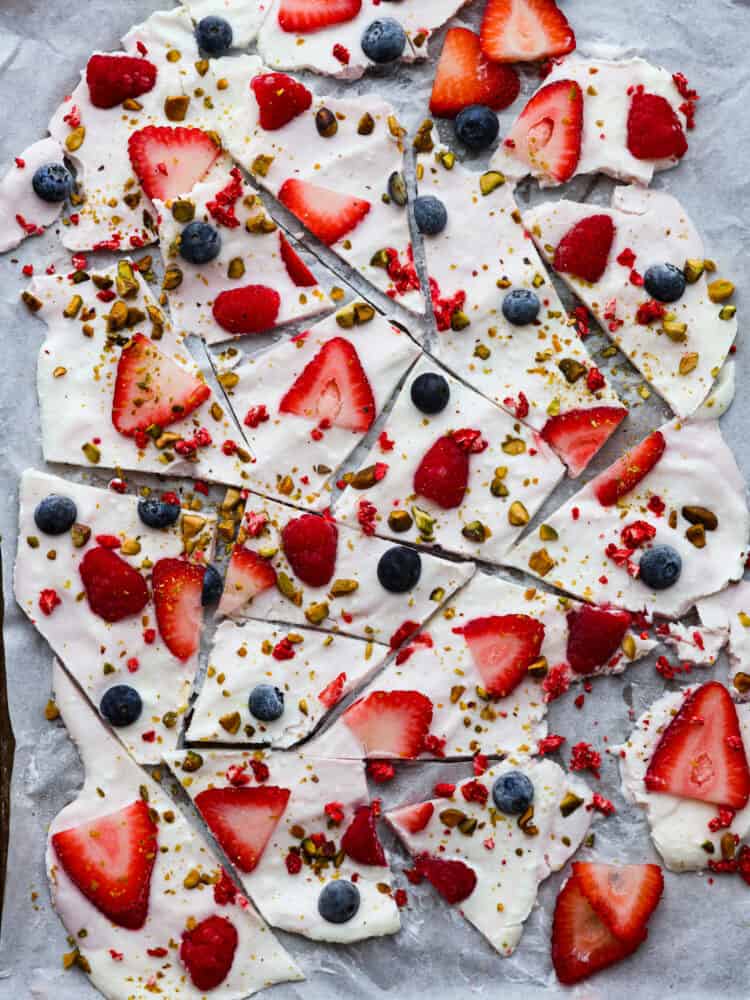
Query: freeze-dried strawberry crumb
x=48, y=601
x=157, y=952
x=381, y=771
x=28, y=270
x=636, y=279
x=400, y=898
x=656, y=505
x=584, y=757
x=256, y=416
x=444, y=308
x=404, y=276
x=444, y=790
x=649, y=311
x=550, y=743
x=366, y=514
x=237, y=775
x=260, y=770
x=116, y=956
x=435, y=745
x=222, y=206
x=556, y=683
x=413, y=876
x=480, y=764
x=723, y=867
x=255, y=523
x=474, y=791
x=626, y=258
x=225, y=891
x=200, y=487
x=582, y=321
x=602, y=805
x=108, y=541
x=637, y=533
x=595, y=380
x=133, y=664
x=293, y=863
x=722, y=821
x=283, y=650
x=578, y=702
x=341, y=53
x=148, y=737
x=149, y=636
x=334, y=811
x=385, y=442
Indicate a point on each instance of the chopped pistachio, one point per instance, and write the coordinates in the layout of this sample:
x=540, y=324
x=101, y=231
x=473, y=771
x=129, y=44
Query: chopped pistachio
x=490, y=181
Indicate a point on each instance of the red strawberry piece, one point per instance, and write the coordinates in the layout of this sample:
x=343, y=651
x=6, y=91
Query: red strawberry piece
x=113, y=79
x=465, y=76
x=577, y=435
x=654, y=130
x=151, y=388
x=110, y=859
x=207, y=951
x=547, y=133
x=624, y=896
x=332, y=693
x=296, y=268
x=115, y=589
x=412, y=819
x=701, y=754
x=627, y=472
x=334, y=387
x=584, y=250
x=502, y=647
x=280, y=99
x=243, y=819
x=178, y=589
x=304, y=16
x=170, y=161
x=360, y=840
x=247, y=575
x=443, y=473
x=328, y=214
x=525, y=31
x=454, y=880
x=594, y=636
x=250, y=309
x=310, y=544
x=391, y=723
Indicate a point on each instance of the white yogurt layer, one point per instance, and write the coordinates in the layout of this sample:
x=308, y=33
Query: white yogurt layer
x=729, y=611
x=22, y=212
x=698, y=646
x=243, y=16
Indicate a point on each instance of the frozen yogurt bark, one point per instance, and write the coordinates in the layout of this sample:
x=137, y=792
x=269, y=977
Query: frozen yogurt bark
x=294, y=827
x=536, y=368
x=244, y=17
x=462, y=473
x=125, y=866
x=82, y=576
x=679, y=488
x=728, y=613
x=693, y=645
x=674, y=323
x=22, y=212
x=490, y=862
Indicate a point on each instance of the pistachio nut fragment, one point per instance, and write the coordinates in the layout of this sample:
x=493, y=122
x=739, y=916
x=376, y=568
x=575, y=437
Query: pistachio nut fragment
x=451, y=817
x=571, y=369
x=570, y=803
x=287, y=588
x=498, y=488
x=701, y=515
x=73, y=307
x=628, y=646
x=192, y=762
x=425, y=522
x=541, y=562
x=475, y=531
x=400, y=520
x=364, y=479
x=317, y=612
x=326, y=123
x=92, y=453
x=696, y=535
x=172, y=279
x=175, y=108
x=514, y=446
x=674, y=329
x=261, y=165
x=547, y=533
x=727, y=312
x=459, y=320
x=693, y=270
x=74, y=141
x=518, y=515
x=183, y=210
x=741, y=682
x=538, y=668
x=80, y=535
x=423, y=142
x=490, y=181
x=688, y=362
x=446, y=159
x=32, y=303
x=720, y=290
x=230, y=723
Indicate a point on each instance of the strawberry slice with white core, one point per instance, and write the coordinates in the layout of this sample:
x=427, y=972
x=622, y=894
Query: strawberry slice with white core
x=525, y=31
x=243, y=819
x=247, y=575
x=701, y=754
x=305, y=16
x=329, y=215
x=391, y=723
x=502, y=648
x=624, y=896
x=627, y=472
x=594, y=636
x=465, y=76
x=171, y=161
x=412, y=819
x=333, y=387
x=151, y=389
x=178, y=590
x=577, y=435
x=547, y=133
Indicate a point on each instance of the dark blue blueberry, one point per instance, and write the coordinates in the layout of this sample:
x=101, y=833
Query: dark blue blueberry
x=157, y=513
x=399, y=569
x=213, y=585
x=430, y=215
x=214, y=35
x=52, y=182
x=199, y=243
x=513, y=793
x=383, y=40
x=55, y=514
x=664, y=282
x=477, y=126
x=430, y=392
x=121, y=705
x=521, y=306
x=660, y=567
x=338, y=901
x=266, y=702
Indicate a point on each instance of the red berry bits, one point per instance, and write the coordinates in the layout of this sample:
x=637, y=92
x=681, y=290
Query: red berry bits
x=584, y=250
x=654, y=130
x=113, y=79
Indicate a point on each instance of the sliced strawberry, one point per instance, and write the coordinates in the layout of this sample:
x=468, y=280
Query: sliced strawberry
x=169, y=161
x=443, y=473
x=547, y=133
x=391, y=723
x=624, y=896
x=627, y=472
x=332, y=693
x=412, y=819
x=152, y=389
x=333, y=387
x=112, y=79
x=178, y=589
x=207, y=951
x=251, y=309
x=584, y=250
x=111, y=859
x=296, y=268
x=654, y=130
x=328, y=214
x=280, y=99
x=577, y=435
x=360, y=841
x=243, y=819
x=247, y=575
x=594, y=636
x=502, y=647
x=454, y=880
x=525, y=31
x=701, y=754
x=115, y=589
x=310, y=544
x=305, y=16
x=465, y=76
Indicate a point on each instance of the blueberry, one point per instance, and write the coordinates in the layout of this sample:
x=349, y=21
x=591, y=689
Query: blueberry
x=664, y=282
x=430, y=215
x=430, y=392
x=157, y=513
x=266, y=702
x=383, y=40
x=121, y=705
x=199, y=243
x=477, y=126
x=213, y=585
x=214, y=35
x=513, y=793
x=521, y=306
x=55, y=514
x=52, y=182
x=339, y=901
x=399, y=569
x=660, y=567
